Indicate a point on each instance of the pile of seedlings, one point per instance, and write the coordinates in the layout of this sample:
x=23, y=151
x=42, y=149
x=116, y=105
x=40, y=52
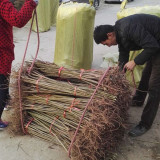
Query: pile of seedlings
x=54, y=98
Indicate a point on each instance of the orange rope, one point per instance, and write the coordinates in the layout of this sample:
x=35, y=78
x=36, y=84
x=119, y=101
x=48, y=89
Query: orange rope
x=80, y=77
x=75, y=91
x=21, y=68
x=38, y=82
x=28, y=125
x=50, y=129
x=47, y=98
x=134, y=83
x=59, y=72
x=71, y=107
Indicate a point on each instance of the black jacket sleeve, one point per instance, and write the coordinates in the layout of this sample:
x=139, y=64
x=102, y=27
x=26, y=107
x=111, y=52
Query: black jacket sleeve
x=123, y=56
x=144, y=39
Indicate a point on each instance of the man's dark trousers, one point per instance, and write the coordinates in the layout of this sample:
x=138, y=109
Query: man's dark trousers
x=150, y=82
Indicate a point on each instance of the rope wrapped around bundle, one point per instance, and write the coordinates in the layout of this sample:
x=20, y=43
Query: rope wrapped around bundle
x=54, y=98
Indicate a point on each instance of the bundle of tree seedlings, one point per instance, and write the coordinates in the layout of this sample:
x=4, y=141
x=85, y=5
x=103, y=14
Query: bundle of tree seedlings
x=54, y=98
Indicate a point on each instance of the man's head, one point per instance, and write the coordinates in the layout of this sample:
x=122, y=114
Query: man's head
x=105, y=35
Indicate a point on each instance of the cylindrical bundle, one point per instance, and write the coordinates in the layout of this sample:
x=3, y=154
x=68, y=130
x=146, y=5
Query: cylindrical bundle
x=84, y=76
x=38, y=83
x=65, y=107
x=74, y=35
x=54, y=116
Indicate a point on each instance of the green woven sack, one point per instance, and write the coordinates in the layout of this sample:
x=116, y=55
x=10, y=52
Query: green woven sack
x=54, y=4
x=124, y=12
x=46, y=13
x=74, y=35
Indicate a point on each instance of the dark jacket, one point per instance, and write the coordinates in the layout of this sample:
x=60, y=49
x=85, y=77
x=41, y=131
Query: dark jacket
x=135, y=32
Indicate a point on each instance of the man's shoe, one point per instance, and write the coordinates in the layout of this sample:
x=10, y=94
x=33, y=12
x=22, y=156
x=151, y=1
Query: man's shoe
x=138, y=130
x=3, y=125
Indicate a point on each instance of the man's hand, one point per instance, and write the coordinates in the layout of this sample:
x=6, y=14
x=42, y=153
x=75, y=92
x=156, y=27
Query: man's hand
x=130, y=65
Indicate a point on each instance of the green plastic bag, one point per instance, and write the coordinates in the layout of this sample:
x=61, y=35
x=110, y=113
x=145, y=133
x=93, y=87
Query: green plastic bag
x=74, y=35
x=153, y=10
x=46, y=13
x=137, y=70
x=54, y=4
x=124, y=12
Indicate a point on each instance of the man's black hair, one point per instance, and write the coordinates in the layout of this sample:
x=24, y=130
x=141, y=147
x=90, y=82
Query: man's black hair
x=100, y=32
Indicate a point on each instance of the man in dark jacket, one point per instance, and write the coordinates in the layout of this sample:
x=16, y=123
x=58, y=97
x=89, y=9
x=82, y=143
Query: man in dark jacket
x=135, y=32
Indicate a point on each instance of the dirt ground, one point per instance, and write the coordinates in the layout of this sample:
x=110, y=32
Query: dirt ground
x=146, y=147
